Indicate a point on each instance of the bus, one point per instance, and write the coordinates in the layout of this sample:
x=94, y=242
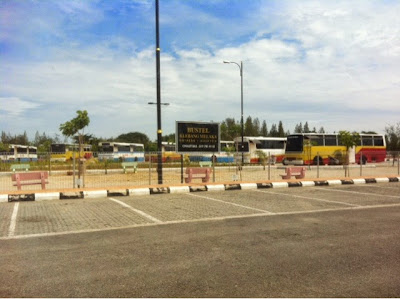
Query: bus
x=308, y=148
x=253, y=146
x=65, y=152
x=121, y=151
x=21, y=153
x=226, y=155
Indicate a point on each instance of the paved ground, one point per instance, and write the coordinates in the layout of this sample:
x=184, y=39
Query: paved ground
x=333, y=241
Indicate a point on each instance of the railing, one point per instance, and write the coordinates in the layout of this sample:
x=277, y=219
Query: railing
x=95, y=173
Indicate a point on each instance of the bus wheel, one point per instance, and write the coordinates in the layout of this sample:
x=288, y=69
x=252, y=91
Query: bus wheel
x=285, y=162
x=315, y=160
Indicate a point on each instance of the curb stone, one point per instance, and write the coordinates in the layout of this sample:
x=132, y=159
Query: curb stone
x=32, y=196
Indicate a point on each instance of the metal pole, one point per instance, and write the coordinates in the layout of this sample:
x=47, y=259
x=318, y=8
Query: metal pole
x=269, y=166
x=361, y=162
x=318, y=165
x=159, y=131
x=241, y=106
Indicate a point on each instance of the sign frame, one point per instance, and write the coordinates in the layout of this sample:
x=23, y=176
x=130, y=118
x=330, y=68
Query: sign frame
x=197, y=137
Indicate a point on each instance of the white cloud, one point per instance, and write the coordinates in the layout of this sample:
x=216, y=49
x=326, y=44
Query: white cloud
x=303, y=61
x=13, y=106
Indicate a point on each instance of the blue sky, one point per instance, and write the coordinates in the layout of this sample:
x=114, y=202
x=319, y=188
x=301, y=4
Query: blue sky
x=334, y=64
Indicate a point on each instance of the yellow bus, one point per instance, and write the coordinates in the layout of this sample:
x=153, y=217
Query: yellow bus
x=314, y=148
x=65, y=152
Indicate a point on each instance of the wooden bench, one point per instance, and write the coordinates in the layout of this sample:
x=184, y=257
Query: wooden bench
x=297, y=172
x=127, y=165
x=15, y=167
x=205, y=163
x=202, y=173
x=30, y=178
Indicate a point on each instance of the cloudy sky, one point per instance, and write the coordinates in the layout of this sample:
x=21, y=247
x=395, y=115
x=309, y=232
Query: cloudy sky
x=334, y=64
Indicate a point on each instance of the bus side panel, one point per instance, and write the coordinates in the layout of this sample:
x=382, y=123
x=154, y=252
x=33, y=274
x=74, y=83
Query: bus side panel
x=370, y=154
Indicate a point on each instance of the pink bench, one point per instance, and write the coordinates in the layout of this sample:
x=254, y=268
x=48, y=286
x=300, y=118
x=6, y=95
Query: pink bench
x=202, y=173
x=30, y=178
x=297, y=172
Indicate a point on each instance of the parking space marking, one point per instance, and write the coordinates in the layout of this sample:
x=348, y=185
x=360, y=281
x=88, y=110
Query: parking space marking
x=360, y=193
x=136, y=210
x=13, y=222
x=313, y=198
x=233, y=204
x=383, y=187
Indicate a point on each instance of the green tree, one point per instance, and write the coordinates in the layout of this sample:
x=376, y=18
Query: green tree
x=76, y=126
x=281, y=131
x=298, y=128
x=264, y=129
x=274, y=131
x=306, y=128
x=349, y=140
x=134, y=137
x=230, y=129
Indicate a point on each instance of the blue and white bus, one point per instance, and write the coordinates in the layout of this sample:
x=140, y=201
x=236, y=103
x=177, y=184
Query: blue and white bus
x=121, y=151
x=17, y=152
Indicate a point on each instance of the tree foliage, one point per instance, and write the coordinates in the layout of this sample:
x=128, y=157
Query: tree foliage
x=393, y=137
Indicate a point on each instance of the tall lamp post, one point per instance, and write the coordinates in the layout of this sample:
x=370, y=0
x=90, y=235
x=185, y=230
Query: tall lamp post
x=241, y=101
x=159, y=131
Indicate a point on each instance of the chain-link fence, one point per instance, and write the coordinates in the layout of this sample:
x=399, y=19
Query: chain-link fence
x=97, y=173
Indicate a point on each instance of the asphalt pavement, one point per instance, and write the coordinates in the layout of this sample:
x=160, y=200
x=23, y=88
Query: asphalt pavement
x=326, y=241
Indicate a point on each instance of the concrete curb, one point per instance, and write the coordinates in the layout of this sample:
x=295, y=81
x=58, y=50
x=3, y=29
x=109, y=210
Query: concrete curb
x=39, y=196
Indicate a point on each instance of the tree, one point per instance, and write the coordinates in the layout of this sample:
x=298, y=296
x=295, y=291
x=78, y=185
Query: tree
x=230, y=129
x=281, y=131
x=264, y=129
x=248, y=127
x=298, y=128
x=134, y=137
x=76, y=126
x=306, y=129
x=393, y=137
x=349, y=140
x=274, y=131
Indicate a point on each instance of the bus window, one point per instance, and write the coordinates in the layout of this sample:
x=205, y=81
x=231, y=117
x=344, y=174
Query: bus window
x=294, y=143
x=378, y=141
x=58, y=148
x=366, y=140
x=243, y=147
x=122, y=148
x=317, y=140
x=330, y=140
x=107, y=148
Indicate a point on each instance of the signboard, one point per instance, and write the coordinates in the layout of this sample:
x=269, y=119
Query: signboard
x=197, y=137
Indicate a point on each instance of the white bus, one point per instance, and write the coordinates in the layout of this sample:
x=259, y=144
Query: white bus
x=226, y=155
x=121, y=151
x=16, y=152
x=273, y=146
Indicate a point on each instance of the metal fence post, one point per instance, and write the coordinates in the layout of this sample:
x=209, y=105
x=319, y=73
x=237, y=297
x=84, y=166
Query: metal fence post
x=318, y=165
x=361, y=162
x=398, y=163
x=269, y=166
x=149, y=168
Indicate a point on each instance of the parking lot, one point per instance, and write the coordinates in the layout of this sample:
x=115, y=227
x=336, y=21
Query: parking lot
x=118, y=226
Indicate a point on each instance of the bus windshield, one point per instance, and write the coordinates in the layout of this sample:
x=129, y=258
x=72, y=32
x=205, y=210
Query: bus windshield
x=294, y=143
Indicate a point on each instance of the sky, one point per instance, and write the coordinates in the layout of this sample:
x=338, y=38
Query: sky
x=334, y=64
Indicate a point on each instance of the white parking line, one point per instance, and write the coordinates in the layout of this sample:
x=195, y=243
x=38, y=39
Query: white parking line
x=136, y=210
x=306, y=197
x=199, y=220
x=13, y=222
x=356, y=192
x=233, y=204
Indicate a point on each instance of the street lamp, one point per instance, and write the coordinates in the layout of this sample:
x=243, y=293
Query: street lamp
x=241, y=101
